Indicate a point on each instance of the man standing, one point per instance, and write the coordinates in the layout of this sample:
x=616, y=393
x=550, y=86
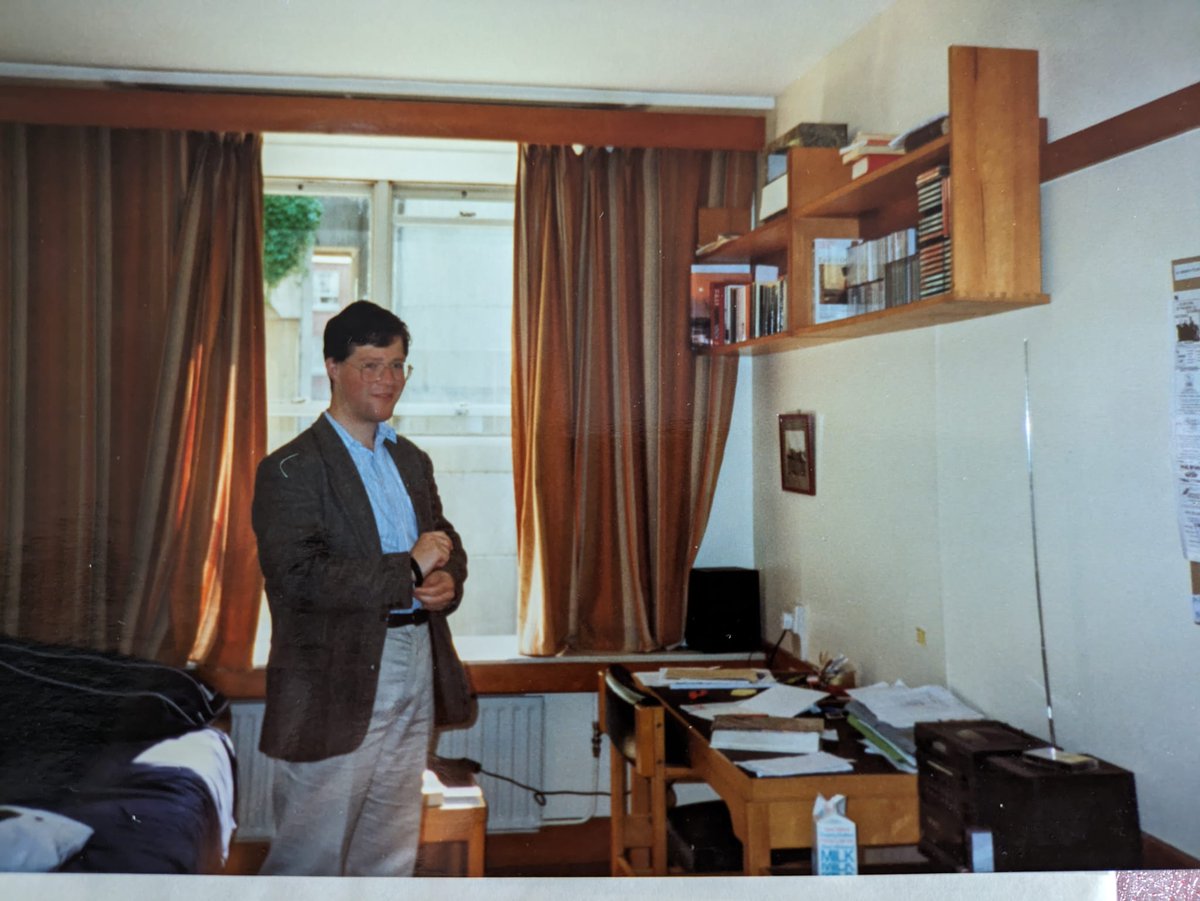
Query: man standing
x=361, y=570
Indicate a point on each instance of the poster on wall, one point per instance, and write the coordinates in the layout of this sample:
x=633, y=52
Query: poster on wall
x=1185, y=412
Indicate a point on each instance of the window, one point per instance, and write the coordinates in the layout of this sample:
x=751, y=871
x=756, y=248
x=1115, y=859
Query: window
x=441, y=256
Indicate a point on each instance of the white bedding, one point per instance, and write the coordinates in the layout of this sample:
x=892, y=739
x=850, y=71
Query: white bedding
x=37, y=841
x=208, y=752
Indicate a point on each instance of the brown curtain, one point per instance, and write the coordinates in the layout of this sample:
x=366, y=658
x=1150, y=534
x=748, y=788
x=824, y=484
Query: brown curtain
x=618, y=427
x=132, y=389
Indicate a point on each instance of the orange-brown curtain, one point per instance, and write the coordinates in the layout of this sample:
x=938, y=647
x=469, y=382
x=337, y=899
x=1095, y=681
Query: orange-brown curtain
x=132, y=389
x=618, y=427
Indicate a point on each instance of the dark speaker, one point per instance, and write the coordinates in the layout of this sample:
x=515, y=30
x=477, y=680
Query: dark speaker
x=722, y=611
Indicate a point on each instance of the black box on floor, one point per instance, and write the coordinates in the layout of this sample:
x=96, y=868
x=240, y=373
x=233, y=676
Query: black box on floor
x=700, y=838
x=722, y=611
x=972, y=776
x=1044, y=817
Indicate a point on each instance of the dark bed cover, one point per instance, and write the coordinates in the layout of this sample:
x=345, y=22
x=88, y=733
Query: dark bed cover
x=71, y=724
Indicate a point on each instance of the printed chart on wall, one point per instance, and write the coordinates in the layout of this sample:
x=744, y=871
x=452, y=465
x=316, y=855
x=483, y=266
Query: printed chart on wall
x=1186, y=412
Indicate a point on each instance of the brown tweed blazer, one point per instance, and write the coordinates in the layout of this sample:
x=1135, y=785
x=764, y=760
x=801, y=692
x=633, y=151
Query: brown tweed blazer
x=329, y=588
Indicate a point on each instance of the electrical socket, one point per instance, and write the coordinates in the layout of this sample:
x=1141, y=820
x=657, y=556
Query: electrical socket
x=786, y=620
x=800, y=628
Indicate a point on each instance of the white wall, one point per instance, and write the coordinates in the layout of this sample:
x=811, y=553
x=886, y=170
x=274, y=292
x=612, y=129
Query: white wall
x=389, y=159
x=922, y=513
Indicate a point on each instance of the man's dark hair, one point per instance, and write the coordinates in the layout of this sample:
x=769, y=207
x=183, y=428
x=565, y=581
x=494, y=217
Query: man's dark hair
x=360, y=324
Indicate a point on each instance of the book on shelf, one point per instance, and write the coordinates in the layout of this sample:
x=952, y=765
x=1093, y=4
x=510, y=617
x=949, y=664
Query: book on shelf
x=770, y=304
x=853, y=156
x=869, y=144
x=870, y=139
x=737, y=310
x=866, y=164
x=922, y=133
x=708, y=281
x=749, y=732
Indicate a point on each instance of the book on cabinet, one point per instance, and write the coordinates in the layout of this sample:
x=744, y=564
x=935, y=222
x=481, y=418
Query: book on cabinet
x=992, y=214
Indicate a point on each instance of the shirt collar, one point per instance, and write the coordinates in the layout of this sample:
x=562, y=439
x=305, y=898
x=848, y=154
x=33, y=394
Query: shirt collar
x=383, y=432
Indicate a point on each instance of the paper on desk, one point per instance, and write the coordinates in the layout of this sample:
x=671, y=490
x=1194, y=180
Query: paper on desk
x=705, y=677
x=713, y=710
x=902, y=765
x=903, y=707
x=782, y=700
x=800, y=765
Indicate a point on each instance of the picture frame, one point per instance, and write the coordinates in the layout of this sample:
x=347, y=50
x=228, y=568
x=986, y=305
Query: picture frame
x=797, y=452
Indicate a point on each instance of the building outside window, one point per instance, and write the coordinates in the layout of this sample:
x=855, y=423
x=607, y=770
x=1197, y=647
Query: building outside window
x=440, y=254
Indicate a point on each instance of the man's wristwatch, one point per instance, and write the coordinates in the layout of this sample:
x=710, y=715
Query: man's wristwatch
x=418, y=576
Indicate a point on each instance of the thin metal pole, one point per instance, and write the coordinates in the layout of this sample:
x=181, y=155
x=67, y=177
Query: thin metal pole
x=1037, y=575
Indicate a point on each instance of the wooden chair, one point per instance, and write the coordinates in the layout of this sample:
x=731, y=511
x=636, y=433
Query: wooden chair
x=644, y=760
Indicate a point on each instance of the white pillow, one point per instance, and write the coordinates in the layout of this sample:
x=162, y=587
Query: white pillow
x=37, y=841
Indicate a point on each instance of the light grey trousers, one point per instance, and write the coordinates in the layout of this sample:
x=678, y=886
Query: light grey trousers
x=359, y=814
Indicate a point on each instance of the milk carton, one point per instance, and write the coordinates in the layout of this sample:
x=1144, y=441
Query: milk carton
x=835, y=838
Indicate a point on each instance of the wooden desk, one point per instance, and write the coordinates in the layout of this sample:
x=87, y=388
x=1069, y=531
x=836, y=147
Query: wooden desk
x=776, y=812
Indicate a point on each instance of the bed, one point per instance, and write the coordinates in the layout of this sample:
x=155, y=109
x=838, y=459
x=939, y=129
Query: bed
x=110, y=764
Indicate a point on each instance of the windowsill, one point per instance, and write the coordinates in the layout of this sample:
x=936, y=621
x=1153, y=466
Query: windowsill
x=503, y=649
x=496, y=668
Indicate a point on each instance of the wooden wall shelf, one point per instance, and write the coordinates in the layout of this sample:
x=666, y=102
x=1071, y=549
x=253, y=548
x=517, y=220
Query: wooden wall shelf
x=937, y=310
x=992, y=150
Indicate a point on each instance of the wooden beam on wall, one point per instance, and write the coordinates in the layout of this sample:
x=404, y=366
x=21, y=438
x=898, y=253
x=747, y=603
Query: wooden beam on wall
x=1166, y=117
x=199, y=111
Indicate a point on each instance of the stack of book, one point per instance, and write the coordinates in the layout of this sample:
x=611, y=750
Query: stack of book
x=781, y=734
x=870, y=151
x=933, y=230
x=887, y=715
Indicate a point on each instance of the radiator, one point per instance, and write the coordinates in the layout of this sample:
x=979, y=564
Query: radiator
x=255, y=812
x=507, y=738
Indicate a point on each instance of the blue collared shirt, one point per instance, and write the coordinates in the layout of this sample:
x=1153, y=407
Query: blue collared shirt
x=395, y=518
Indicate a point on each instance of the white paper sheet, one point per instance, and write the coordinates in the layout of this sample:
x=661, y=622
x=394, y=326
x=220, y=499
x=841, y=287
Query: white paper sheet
x=712, y=711
x=782, y=700
x=904, y=707
x=658, y=679
x=798, y=765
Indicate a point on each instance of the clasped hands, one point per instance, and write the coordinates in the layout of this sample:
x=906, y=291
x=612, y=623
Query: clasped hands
x=431, y=553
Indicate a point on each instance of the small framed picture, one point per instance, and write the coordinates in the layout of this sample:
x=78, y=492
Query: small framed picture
x=797, y=452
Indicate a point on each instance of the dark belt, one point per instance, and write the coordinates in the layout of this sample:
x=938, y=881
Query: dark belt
x=415, y=618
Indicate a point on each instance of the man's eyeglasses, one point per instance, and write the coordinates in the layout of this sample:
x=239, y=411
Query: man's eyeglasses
x=373, y=370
